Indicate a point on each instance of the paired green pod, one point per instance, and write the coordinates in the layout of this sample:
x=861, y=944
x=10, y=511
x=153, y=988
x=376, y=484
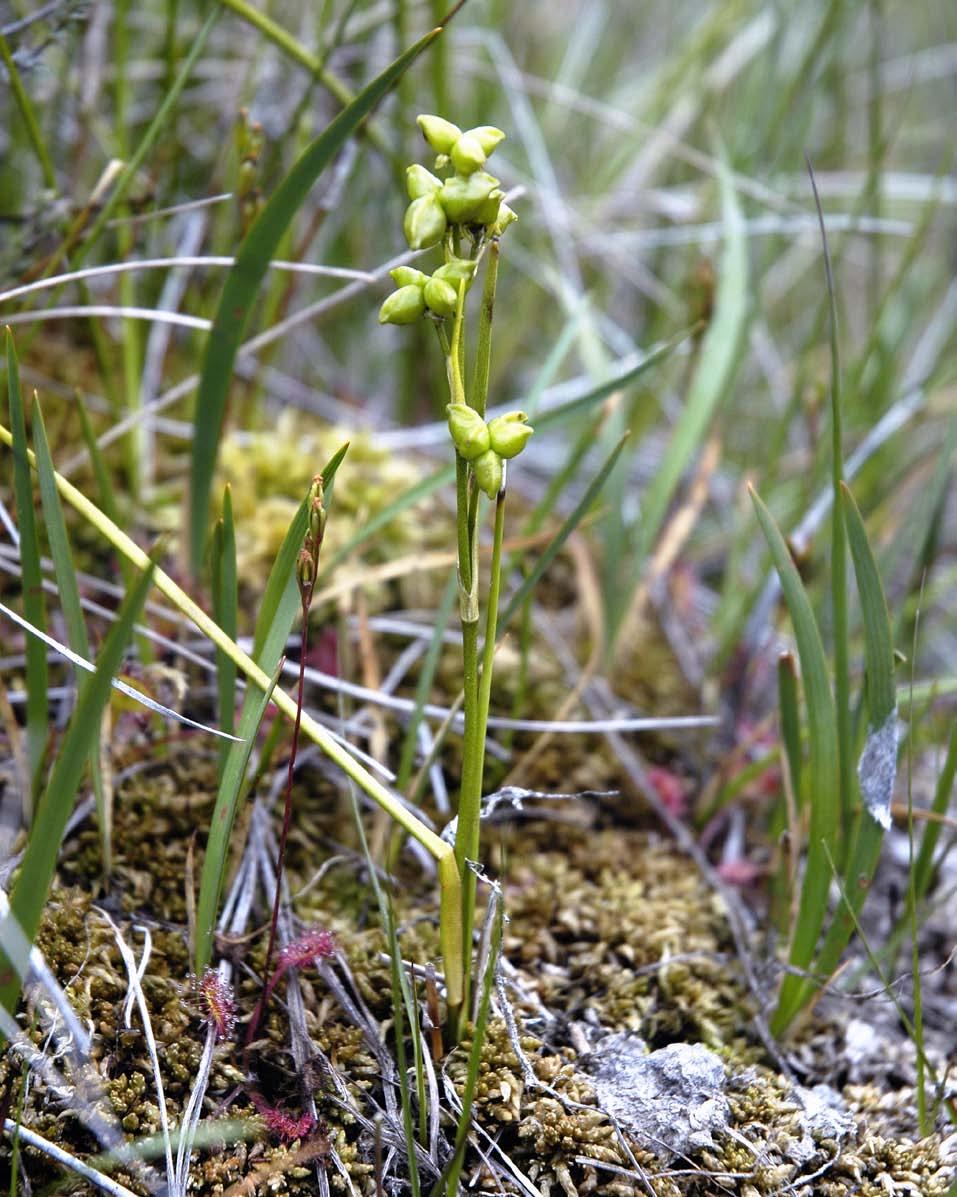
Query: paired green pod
x=440, y=296
x=509, y=434
x=470, y=433
x=425, y=221
x=458, y=270
x=462, y=198
x=420, y=182
x=438, y=132
x=408, y=276
x=489, y=473
x=404, y=306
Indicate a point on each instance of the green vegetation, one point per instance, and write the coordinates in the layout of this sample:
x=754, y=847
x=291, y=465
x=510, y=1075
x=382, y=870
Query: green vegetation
x=681, y=773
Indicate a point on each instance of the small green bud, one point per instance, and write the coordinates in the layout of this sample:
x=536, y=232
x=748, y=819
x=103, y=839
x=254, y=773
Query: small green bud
x=505, y=217
x=404, y=306
x=489, y=473
x=509, y=434
x=419, y=181
x=424, y=222
x=438, y=132
x=469, y=431
x=440, y=296
x=467, y=154
x=488, y=137
x=462, y=197
x=407, y=276
x=487, y=213
x=458, y=270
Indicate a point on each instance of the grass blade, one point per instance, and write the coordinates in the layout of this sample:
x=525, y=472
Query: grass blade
x=244, y=279
x=822, y=773
x=879, y=760
x=225, y=595
x=34, y=607
x=22, y=101
x=923, y=868
x=39, y=861
x=278, y=609
x=69, y=593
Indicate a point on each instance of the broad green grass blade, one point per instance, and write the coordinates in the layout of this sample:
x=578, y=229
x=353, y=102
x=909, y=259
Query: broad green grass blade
x=243, y=283
x=69, y=593
x=34, y=606
x=39, y=861
x=225, y=595
x=278, y=609
x=879, y=760
x=712, y=378
x=22, y=101
x=838, y=570
x=822, y=779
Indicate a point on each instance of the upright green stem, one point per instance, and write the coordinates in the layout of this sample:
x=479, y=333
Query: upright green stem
x=483, y=354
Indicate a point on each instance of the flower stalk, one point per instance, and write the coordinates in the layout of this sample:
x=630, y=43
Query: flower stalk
x=462, y=206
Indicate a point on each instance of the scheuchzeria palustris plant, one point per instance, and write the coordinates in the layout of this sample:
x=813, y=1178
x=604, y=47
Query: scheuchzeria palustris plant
x=462, y=211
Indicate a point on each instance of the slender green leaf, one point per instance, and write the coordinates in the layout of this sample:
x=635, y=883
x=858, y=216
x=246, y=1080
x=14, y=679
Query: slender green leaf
x=790, y=716
x=34, y=606
x=225, y=596
x=879, y=760
x=69, y=593
x=39, y=861
x=22, y=101
x=822, y=778
x=244, y=279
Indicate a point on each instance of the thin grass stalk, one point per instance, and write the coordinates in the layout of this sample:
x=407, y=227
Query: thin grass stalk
x=34, y=606
x=22, y=101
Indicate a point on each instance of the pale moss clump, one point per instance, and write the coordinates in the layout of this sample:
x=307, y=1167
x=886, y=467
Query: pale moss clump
x=270, y=471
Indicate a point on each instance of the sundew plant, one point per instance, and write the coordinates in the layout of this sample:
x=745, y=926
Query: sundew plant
x=477, y=545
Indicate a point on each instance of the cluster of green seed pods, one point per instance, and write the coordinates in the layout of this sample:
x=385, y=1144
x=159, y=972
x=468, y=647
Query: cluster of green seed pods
x=485, y=445
x=467, y=199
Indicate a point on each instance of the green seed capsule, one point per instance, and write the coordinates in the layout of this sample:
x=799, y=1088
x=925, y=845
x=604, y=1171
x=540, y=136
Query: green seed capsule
x=487, y=212
x=489, y=473
x=509, y=434
x=488, y=137
x=458, y=270
x=462, y=197
x=440, y=297
x=438, y=132
x=404, y=306
x=467, y=154
x=419, y=181
x=407, y=276
x=425, y=222
x=469, y=431
x=505, y=217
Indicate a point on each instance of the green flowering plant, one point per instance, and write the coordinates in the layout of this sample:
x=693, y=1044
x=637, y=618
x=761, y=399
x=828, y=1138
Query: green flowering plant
x=461, y=209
